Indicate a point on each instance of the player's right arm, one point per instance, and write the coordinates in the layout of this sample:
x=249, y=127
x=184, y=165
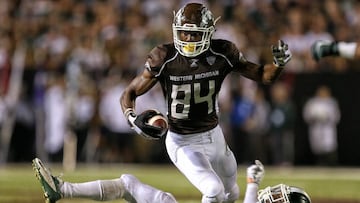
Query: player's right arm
x=143, y=82
x=138, y=86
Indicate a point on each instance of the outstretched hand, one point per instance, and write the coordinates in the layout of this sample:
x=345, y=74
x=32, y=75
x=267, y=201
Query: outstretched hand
x=255, y=172
x=281, y=54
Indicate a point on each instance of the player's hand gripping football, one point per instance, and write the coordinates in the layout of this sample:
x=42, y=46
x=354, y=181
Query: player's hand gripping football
x=281, y=54
x=140, y=124
x=255, y=173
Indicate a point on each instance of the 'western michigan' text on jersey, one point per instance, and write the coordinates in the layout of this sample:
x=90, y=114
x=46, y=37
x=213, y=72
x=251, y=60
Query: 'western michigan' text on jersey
x=191, y=85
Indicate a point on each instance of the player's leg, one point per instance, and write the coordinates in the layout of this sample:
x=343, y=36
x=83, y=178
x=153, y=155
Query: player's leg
x=226, y=167
x=127, y=187
x=322, y=49
x=348, y=50
x=143, y=193
x=357, y=51
x=191, y=155
x=198, y=171
x=50, y=184
x=99, y=190
x=54, y=188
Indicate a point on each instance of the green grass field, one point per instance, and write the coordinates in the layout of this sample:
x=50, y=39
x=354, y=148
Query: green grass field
x=18, y=183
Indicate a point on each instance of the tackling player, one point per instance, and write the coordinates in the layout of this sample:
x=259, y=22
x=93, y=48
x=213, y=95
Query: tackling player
x=191, y=71
x=280, y=193
x=129, y=188
x=349, y=50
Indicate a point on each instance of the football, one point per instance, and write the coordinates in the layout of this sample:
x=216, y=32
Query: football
x=158, y=121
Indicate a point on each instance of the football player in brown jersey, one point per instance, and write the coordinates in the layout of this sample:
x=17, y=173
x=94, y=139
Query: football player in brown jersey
x=191, y=71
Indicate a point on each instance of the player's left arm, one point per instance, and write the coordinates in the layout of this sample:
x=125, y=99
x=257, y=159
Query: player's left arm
x=281, y=56
x=269, y=73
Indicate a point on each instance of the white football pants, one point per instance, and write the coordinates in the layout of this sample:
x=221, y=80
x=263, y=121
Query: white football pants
x=207, y=162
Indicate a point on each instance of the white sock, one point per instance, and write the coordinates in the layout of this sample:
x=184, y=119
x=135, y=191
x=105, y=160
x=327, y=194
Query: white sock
x=251, y=193
x=100, y=190
x=347, y=49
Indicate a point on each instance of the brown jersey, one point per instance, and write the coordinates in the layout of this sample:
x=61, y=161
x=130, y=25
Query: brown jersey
x=191, y=85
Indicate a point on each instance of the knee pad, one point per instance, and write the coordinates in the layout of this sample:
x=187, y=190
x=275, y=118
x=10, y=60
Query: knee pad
x=165, y=197
x=136, y=191
x=213, y=192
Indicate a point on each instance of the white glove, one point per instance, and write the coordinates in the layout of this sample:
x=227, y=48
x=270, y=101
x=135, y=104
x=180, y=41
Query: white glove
x=281, y=54
x=255, y=172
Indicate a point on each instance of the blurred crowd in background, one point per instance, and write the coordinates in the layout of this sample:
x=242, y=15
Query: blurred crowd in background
x=64, y=64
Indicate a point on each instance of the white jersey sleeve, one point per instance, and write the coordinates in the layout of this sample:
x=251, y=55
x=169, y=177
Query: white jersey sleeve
x=251, y=193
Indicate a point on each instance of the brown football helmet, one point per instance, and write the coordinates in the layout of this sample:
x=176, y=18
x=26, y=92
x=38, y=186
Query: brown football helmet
x=193, y=17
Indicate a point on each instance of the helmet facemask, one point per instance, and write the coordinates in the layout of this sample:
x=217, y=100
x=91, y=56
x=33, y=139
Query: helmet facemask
x=283, y=194
x=276, y=194
x=193, y=18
